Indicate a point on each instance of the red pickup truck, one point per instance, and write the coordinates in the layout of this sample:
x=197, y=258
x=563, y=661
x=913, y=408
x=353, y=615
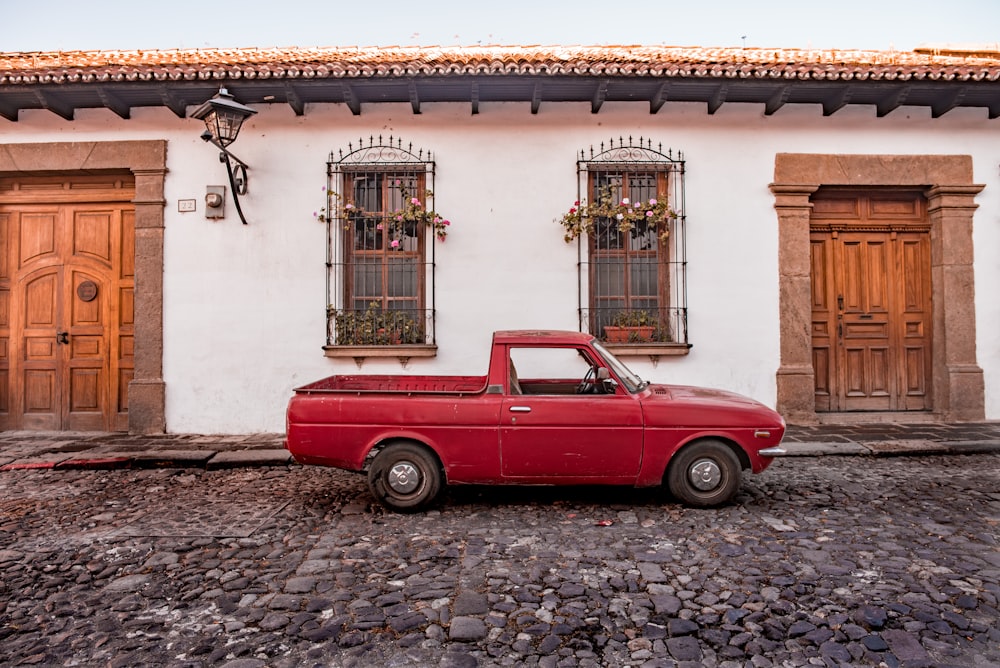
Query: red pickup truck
x=555, y=408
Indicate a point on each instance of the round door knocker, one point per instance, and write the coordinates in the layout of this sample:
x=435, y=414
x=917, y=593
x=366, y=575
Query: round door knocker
x=87, y=291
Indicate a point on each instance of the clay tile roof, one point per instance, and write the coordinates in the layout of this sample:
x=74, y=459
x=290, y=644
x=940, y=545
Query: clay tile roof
x=63, y=82
x=395, y=61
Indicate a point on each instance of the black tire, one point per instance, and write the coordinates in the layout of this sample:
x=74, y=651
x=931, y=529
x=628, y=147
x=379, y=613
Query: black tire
x=704, y=474
x=405, y=477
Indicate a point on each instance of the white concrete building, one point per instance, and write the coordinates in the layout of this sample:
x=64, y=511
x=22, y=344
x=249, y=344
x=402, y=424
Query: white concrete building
x=831, y=253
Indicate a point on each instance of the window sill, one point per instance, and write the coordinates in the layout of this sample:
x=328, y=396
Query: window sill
x=404, y=351
x=647, y=349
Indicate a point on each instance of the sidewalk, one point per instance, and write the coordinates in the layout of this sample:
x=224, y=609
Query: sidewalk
x=86, y=450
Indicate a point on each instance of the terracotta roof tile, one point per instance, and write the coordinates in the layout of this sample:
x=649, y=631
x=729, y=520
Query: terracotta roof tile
x=393, y=61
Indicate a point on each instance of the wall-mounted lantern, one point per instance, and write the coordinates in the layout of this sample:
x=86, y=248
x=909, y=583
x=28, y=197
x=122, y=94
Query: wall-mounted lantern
x=223, y=118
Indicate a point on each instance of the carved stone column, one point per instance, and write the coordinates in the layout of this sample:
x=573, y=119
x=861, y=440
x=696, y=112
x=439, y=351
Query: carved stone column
x=959, y=386
x=796, y=380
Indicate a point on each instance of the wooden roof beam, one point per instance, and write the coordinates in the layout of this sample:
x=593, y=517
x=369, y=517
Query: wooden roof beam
x=600, y=95
x=414, y=97
x=892, y=101
x=945, y=104
x=176, y=104
x=114, y=103
x=536, y=97
x=718, y=98
x=51, y=103
x=778, y=100
x=838, y=102
x=351, y=100
x=294, y=100
x=659, y=97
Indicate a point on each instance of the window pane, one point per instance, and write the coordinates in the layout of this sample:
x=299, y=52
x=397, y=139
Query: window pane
x=402, y=276
x=609, y=276
x=368, y=278
x=367, y=233
x=644, y=276
x=367, y=191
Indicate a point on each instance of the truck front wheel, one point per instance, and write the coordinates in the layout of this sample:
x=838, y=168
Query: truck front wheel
x=405, y=477
x=704, y=474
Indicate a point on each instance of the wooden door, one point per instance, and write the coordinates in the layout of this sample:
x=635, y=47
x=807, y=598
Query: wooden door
x=66, y=321
x=871, y=302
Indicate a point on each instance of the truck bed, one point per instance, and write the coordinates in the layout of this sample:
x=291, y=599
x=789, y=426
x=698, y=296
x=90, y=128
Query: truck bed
x=391, y=384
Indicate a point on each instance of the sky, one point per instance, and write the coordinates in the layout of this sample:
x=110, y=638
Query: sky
x=68, y=25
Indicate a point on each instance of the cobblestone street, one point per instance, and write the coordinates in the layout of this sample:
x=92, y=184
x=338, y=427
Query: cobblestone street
x=822, y=561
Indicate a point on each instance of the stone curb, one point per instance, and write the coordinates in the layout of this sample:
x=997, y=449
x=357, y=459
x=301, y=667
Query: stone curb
x=97, y=458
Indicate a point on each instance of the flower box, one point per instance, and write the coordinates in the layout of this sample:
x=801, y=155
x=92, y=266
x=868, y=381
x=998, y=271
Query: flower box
x=636, y=334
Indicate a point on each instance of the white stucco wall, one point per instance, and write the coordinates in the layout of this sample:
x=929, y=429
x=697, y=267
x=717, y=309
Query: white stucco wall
x=244, y=317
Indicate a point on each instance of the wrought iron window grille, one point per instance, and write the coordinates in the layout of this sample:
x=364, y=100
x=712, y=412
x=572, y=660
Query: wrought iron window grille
x=632, y=282
x=380, y=289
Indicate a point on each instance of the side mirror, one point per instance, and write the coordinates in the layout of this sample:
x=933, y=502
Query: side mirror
x=609, y=384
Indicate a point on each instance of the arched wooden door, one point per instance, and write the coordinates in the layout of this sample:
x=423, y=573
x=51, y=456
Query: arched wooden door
x=66, y=314
x=871, y=311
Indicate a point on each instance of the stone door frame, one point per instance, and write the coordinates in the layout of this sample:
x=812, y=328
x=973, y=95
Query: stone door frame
x=957, y=385
x=147, y=161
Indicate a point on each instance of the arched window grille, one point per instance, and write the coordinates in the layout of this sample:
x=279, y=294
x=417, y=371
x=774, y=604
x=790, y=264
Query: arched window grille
x=633, y=283
x=380, y=268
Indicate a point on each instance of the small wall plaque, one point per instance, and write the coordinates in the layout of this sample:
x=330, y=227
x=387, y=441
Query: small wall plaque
x=87, y=291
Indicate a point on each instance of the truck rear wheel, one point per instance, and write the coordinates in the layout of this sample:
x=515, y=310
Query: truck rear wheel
x=704, y=474
x=405, y=477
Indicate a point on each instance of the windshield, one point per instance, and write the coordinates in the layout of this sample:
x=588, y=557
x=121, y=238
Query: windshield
x=632, y=382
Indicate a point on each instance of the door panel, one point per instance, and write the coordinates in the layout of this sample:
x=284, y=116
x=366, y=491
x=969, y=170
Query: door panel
x=571, y=436
x=870, y=269
x=67, y=311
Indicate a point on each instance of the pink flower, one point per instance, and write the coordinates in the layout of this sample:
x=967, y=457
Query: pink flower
x=620, y=216
x=625, y=201
x=379, y=227
x=446, y=222
x=573, y=210
x=649, y=214
x=652, y=202
x=414, y=200
x=395, y=243
x=348, y=206
x=399, y=217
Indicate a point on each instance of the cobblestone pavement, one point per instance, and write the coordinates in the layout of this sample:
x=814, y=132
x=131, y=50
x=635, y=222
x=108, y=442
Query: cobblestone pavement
x=832, y=561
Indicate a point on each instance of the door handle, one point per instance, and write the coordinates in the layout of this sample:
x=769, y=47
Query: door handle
x=520, y=409
x=62, y=337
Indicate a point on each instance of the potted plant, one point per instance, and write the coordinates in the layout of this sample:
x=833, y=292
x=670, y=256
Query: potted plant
x=630, y=216
x=376, y=326
x=632, y=326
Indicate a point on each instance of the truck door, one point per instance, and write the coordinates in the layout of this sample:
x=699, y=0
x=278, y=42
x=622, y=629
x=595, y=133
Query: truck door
x=554, y=426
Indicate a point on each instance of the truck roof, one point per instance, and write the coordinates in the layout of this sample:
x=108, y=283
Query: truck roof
x=551, y=336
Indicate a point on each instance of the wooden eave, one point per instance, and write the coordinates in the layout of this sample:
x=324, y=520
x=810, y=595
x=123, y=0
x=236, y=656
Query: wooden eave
x=64, y=83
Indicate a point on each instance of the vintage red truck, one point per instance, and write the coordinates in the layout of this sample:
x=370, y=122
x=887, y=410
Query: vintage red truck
x=555, y=408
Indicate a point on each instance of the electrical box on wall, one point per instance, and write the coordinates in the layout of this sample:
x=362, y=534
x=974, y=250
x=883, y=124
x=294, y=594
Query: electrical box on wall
x=215, y=202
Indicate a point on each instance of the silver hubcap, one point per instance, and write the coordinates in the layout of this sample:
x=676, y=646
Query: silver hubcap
x=404, y=477
x=705, y=474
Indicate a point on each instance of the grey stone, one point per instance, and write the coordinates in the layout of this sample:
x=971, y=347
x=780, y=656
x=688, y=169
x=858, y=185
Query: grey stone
x=471, y=603
x=467, y=628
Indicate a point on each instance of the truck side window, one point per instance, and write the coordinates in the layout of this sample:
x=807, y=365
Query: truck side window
x=548, y=370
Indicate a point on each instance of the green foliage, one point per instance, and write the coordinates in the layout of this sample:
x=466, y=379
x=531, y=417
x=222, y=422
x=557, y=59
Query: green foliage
x=376, y=326
x=638, y=216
